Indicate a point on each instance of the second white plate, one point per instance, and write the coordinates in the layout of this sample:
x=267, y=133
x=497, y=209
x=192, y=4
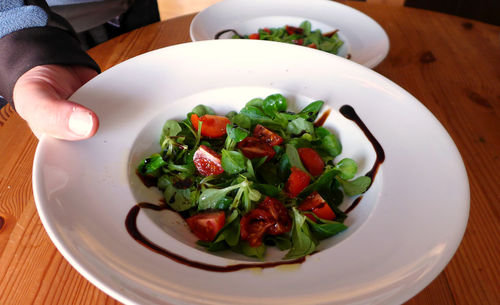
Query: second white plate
x=365, y=41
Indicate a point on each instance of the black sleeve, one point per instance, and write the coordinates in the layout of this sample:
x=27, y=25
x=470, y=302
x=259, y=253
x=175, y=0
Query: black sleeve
x=55, y=43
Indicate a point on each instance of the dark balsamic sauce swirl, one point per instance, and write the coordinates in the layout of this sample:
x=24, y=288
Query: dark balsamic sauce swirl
x=131, y=225
x=349, y=112
x=219, y=34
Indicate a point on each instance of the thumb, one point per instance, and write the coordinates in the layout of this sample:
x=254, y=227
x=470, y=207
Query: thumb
x=60, y=119
x=40, y=98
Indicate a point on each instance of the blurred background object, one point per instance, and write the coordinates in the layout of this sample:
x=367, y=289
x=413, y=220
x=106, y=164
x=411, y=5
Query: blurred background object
x=482, y=10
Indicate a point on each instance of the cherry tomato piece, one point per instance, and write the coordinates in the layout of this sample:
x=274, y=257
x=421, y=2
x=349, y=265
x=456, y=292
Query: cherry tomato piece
x=254, y=36
x=312, y=45
x=252, y=147
x=206, y=225
x=299, y=41
x=207, y=161
x=297, y=182
x=316, y=204
x=267, y=30
x=213, y=126
x=293, y=30
x=311, y=160
x=283, y=221
x=267, y=136
x=330, y=34
x=254, y=225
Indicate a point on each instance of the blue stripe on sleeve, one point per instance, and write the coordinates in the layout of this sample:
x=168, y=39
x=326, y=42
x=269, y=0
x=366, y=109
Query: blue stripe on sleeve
x=10, y=4
x=14, y=16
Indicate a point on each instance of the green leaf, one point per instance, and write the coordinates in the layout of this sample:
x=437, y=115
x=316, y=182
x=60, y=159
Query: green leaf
x=210, y=197
x=284, y=167
x=224, y=203
x=323, y=182
x=269, y=174
x=356, y=186
x=189, y=168
x=171, y=128
x=151, y=166
x=329, y=142
x=231, y=231
x=283, y=243
x=234, y=136
x=254, y=113
x=254, y=194
x=273, y=104
x=257, y=252
x=231, y=114
x=251, y=172
x=310, y=112
x=258, y=116
x=237, y=134
x=201, y=110
x=299, y=126
x=163, y=182
x=213, y=246
x=329, y=46
x=242, y=120
x=232, y=161
x=306, y=26
x=303, y=242
x=348, y=168
x=178, y=199
x=267, y=189
x=325, y=229
x=256, y=102
x=294, y=158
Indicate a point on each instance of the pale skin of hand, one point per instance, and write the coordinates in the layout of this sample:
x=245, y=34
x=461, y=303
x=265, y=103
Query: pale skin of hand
x=41, y=98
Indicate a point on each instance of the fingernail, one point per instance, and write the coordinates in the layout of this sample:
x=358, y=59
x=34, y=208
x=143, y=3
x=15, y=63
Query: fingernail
x=80, y=123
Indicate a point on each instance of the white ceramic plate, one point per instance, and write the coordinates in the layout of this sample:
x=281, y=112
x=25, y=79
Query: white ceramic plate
x=365, y=40
x=405, y=230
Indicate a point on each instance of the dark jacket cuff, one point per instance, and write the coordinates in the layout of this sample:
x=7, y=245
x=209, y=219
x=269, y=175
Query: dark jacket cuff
x=31, y=47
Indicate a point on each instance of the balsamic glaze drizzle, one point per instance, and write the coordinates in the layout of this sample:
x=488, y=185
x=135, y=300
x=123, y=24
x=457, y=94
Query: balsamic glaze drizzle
x=219, y=34
x=131, y=225
x=349, y=112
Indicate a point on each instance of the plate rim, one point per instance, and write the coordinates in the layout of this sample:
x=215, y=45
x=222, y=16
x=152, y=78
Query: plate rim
x=372, y=63
x=102, y=285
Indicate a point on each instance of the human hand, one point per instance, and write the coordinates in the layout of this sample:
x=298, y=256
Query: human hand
x=41, y=98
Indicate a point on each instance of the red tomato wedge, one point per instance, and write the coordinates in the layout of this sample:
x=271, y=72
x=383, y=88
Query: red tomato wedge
x=267, y=136
x=254, y=36
x=213, y=126
x=252, y=147
x=283, y=221
x=297, y=182
x=311, y=160
x=267, y=30
x=207, y=161
x=293, y=30
x=316, y=204
x=312, y=45
x=206, y=225
x=254, y=225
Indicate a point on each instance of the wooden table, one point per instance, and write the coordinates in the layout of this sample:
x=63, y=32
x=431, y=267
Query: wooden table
x=451, y=64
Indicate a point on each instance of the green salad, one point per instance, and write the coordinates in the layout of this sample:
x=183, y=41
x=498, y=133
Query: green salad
x=302, y=35
x=260, y=177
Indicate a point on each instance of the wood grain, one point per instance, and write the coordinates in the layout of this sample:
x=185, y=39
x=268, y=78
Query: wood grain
x=450, y=64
